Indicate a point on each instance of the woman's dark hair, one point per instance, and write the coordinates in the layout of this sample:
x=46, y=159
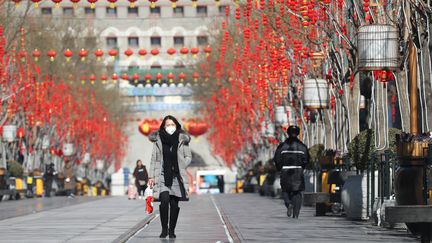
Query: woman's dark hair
x=162, y=126
x=139, y=161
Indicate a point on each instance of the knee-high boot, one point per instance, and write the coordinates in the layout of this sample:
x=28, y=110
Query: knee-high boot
x=174, y=212
x=163, y=210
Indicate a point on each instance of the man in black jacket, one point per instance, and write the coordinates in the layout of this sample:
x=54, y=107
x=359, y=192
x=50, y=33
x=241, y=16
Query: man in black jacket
x=290, y=159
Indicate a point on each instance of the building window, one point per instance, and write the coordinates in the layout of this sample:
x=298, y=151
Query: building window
x=178, y=12
x=201, y=11
x=155, y=42
x=67, y=11
x=222, y=9
x=133, y=41
x=178, y=40
x=46, y=11
x=156, y=66
x=202, y=40
x=133, y=68
x=111, y=42
x=133, y=11
x=155, y=12
x=111, y=12
x=89, y=12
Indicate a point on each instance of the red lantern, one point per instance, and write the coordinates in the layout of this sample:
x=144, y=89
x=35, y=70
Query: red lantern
x=194, y=51
x=153, y=3
x=75, y=3
x=196, y=127
x=173, y=3
x=104, y=78
x=128, y=52
x=22, y=55
x=36, y=54
x=36, y=3
x=83, y=54
x=159, y=77
x=68, y=54
x=207, y=50
x=170, y=77
x=125, y=76
x=57, y=3
x=184, y=51
x=142, y=52
x=112, y=3
x=52, y=54
x=182, y=76
x=171, y=51
x=195, y=76
x=20, y=132
x=98, y=53
x=92, y=3
x=132, y=3
x=92, y=78
x=114, y=77
x=154, y=52
x=135, y=77
x=148, y=77
x=113, y=53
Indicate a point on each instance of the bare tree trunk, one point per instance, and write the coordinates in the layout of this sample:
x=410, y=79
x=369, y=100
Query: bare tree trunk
x=328, y=129
x=353, y=101
x=381, y=117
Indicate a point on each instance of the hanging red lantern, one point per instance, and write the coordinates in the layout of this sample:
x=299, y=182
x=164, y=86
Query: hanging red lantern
x=22, y=56
x=57, y=3
x=237, y=13
x=112, y=3
x=173, y=3
x=171, y=51
x=125, y=76
x=154, y=52
x=135, y=77
x=75, y=3
x=36, y=3
x=104, y=78
x=52, y=54
x=36, y=54
x=142, y=53
x=182, y=76
x=170, y=77
x=68, y=54
x=195, y=76
x=113, y=53
x=132, y=3
x=83, y=54
x=98, y=53
x=184, y=51
x=114, y=77
x=148, y=77
x=159, y=77
x=194, y=51
x=153, y=3
x=20, y=132
x=92, y=3
x=92, y=79
x=207, y=50
x=128, y=52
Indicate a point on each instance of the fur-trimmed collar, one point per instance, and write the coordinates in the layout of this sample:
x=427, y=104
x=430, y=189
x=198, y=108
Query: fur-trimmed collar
x=183, y=137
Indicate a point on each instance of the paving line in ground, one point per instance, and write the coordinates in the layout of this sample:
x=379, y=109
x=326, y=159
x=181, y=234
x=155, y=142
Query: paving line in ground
x=228, y=232
x=136, y=229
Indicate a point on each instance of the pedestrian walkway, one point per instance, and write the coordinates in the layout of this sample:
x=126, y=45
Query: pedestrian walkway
x=199, y=222
x=102, y=220
x=262, y=219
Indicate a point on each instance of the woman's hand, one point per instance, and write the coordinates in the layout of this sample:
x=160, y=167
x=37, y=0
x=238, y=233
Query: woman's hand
x=151, y=182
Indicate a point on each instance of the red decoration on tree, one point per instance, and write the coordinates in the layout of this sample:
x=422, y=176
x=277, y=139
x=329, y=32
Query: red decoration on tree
x=98, y=53
x=52, y=54
x=68, y=54
x=83, y=54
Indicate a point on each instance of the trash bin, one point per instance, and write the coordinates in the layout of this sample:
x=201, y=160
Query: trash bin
x=39, y=190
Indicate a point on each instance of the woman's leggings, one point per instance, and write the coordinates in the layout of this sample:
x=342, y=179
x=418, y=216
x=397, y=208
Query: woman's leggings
x=141, y=189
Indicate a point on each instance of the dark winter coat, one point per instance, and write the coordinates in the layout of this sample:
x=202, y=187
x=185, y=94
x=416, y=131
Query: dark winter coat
x=292, y=152
x=140, y=173
x=184, y=157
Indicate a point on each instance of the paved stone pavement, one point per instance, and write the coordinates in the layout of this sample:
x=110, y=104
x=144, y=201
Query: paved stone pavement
x=12, y=208
x=95, y=221
x=262, y=219
x=199, y=222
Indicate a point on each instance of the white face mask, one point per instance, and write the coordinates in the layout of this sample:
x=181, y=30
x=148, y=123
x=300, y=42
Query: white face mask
x=170, y=130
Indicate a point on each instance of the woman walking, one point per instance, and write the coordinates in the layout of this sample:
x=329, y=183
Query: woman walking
x=141, y=178
x=171, y=155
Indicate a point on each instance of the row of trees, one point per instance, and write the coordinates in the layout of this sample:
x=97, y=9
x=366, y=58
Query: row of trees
x=268, y=48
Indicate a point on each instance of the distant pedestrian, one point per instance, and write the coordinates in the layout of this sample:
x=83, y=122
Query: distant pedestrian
x=49, y=178
x=69, y=183
x=171, y=155
x=290, y=158
x=141, y=178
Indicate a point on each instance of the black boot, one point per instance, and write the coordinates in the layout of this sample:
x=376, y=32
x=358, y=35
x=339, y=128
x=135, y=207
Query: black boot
x=173, y=221
x=163, y=210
